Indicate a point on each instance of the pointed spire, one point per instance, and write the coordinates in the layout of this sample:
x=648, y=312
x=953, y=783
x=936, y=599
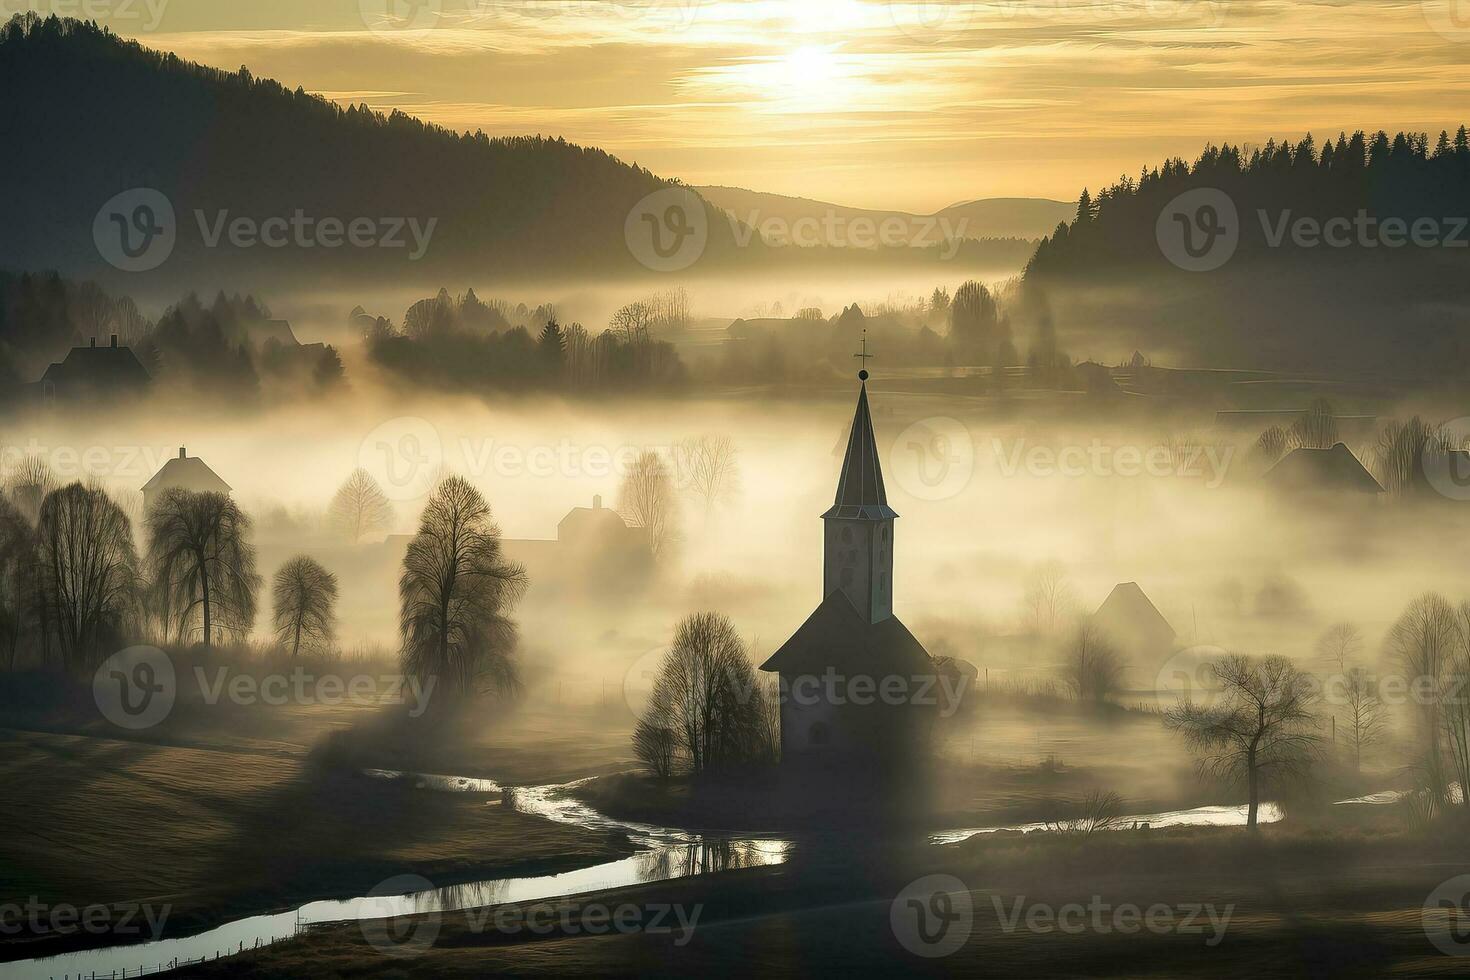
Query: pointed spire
x=860, y=492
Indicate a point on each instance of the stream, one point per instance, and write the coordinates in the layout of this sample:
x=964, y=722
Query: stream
x=669, y=853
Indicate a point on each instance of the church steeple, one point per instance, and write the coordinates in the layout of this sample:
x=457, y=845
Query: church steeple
x=858, y=557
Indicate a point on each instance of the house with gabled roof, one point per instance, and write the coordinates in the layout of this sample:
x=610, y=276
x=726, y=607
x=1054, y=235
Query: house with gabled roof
x=94, y=374
x=183, y=472
x=1334, y=470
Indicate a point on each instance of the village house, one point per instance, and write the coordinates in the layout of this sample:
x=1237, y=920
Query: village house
x=184, y=472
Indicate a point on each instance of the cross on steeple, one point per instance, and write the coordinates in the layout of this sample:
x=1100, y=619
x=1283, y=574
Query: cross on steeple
x=864, y=357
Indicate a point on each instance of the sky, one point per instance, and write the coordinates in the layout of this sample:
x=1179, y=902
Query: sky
x=904, y=104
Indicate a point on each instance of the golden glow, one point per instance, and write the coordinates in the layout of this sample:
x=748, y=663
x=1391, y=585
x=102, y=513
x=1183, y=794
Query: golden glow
x=892, y=103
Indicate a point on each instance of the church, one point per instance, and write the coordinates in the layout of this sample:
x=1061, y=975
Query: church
x=857, y=687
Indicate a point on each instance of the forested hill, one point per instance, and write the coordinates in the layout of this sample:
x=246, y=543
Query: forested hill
x=1352, y=258
x=87, y=115
x=1406, y=177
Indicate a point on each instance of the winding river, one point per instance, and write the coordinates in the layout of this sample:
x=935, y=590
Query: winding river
x=667, y=853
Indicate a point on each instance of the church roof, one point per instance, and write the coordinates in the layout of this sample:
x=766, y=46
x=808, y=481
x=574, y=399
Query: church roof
x=860, y=493
x=837, y=636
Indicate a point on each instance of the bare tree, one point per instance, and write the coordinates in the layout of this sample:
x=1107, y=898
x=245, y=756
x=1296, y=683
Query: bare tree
x=1094, y=813
x=1367, y=718
x=455, y=594
x=1274, y=443
x=360, y=507
x=709, y=466
x=1400, y=451
x=18, y=576
x=634, y=323
x=88, y=572
x=1427, y=642
x=1047, y=601
x=707, y=695
x=646, y=499
x=655, y=745
x=1340, y=646
x=304, y=594
x=1094, y=666
x=1260, y=730
x=201, y=560
x=28, y=482
x=1317, y=429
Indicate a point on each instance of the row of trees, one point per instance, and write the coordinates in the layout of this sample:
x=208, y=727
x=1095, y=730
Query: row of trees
x=74, y=589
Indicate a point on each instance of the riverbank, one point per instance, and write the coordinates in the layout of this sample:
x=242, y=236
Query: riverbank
x=210, y=834
x=1344, y=902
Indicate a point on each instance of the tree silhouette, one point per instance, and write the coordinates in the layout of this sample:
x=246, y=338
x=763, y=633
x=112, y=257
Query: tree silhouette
x=303, y=594
x=18, y=577
x=360, y=507
x=646, y=499
x=88, y=573
x=1260, y=730
x=456, y=592
x=201, y=560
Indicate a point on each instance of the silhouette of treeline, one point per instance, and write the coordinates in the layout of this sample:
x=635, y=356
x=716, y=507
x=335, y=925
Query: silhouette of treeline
x=193, y=349
x=1364, y=307
x=89, y=115
x=1407, y=176
x=465, y=344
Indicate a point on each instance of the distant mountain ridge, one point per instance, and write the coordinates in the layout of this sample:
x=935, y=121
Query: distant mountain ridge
x=1030, y=218
x=117, y=154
